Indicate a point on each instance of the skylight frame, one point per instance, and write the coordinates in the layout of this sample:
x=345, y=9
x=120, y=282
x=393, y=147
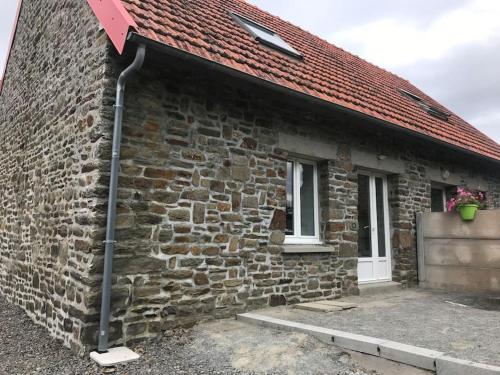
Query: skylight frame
x=431, y=110
x=436, y=112
x=410, y=95
x=245, y=22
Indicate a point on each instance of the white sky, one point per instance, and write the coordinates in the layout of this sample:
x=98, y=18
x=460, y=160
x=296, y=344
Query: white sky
x=7, y=15
x=448, y=48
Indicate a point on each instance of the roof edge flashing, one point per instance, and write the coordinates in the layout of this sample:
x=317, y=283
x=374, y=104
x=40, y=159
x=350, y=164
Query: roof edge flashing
x=115, y=20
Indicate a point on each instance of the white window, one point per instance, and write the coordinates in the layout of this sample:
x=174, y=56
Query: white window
x=302, y=219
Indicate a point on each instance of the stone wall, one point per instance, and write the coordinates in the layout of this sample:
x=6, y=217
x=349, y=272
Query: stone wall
x=202, y=197
x=409, y=193
x=200, y=224
x=201, y=209
x=51, y=132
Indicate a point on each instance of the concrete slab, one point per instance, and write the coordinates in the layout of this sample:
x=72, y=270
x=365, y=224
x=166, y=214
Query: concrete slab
x=446, y=365
x=415, y=356
x=114, y=356
x=314, y=306
x=409, y=354
x=351, y=341
x=379, y=288
x=323, y=334
x=385, y=366
x=422, y=318
x=358, y=343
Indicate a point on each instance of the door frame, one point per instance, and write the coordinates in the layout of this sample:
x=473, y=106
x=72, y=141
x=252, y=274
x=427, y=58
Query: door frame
x=373, y=226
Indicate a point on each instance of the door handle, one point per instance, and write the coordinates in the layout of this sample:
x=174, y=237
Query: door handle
x=366, y=227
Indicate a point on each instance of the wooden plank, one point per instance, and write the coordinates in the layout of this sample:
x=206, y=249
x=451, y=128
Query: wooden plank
x=314, y=306
x=341, y=304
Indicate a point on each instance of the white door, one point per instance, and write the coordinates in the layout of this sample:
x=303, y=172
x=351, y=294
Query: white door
x=374, y=251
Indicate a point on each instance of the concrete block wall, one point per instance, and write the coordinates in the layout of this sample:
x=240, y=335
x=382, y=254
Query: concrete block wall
x=458, y=255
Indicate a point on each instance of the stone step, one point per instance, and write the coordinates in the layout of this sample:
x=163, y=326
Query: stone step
x=379, y=288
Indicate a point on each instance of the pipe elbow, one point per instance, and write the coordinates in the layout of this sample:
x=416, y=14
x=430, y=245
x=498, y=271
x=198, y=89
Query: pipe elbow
x=135, y=66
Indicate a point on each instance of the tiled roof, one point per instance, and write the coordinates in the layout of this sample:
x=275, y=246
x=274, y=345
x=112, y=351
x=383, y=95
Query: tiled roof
x=206, y=29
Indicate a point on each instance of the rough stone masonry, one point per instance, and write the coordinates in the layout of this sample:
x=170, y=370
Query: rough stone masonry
x=201, y=212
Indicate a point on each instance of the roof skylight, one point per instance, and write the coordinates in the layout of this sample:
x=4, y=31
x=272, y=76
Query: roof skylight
x=436, y=112
x=266, y=36
x=433, y=111
x=410, y=95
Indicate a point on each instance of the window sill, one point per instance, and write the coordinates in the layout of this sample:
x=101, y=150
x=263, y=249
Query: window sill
x=301, y=249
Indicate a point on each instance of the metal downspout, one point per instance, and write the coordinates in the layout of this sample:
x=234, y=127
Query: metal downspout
x=113, y=187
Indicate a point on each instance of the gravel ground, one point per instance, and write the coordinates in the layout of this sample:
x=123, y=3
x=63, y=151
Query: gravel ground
x=220, y=347
x=462, y=325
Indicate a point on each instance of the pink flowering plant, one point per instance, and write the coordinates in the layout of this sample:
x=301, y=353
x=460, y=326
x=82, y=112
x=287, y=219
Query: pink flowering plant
x=466, y=196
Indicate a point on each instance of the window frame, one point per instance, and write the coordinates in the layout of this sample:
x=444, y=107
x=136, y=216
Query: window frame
x=299, y=239
x=445, y=191
x=243, y=21
x=443, y=196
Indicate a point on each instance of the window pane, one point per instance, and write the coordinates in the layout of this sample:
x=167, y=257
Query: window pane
x=270, y=37
x=437, y=200
x=307, y=219
x=289, y=199
x=379, y=187
x=450, y=191
x=364, y=237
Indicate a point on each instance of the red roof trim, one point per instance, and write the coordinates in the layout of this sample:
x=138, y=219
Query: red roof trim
x=115, y=19
x=12, y=35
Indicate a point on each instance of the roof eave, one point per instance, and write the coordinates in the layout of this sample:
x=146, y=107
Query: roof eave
x=165, y=48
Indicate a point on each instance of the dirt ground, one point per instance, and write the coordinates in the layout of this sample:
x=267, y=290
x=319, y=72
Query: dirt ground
x=219, y=347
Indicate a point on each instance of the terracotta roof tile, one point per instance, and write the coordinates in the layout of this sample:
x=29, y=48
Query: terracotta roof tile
x=206, y=29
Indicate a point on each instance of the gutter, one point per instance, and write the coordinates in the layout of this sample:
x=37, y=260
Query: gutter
x=165, y=48
x=113, y=188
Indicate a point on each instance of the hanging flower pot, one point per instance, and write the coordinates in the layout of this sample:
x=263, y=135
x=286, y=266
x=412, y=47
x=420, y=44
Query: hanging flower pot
x=466, y=202
x=468, y=211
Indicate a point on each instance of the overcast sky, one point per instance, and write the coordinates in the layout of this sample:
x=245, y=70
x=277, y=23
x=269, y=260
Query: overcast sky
x=7, y=15
x=448, y=48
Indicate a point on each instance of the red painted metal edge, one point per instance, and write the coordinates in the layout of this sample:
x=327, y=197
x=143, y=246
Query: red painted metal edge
x=115, y=19
x=12, y=35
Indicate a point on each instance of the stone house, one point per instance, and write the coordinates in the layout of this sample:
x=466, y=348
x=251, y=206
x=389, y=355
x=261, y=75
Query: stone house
x=260, y=165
